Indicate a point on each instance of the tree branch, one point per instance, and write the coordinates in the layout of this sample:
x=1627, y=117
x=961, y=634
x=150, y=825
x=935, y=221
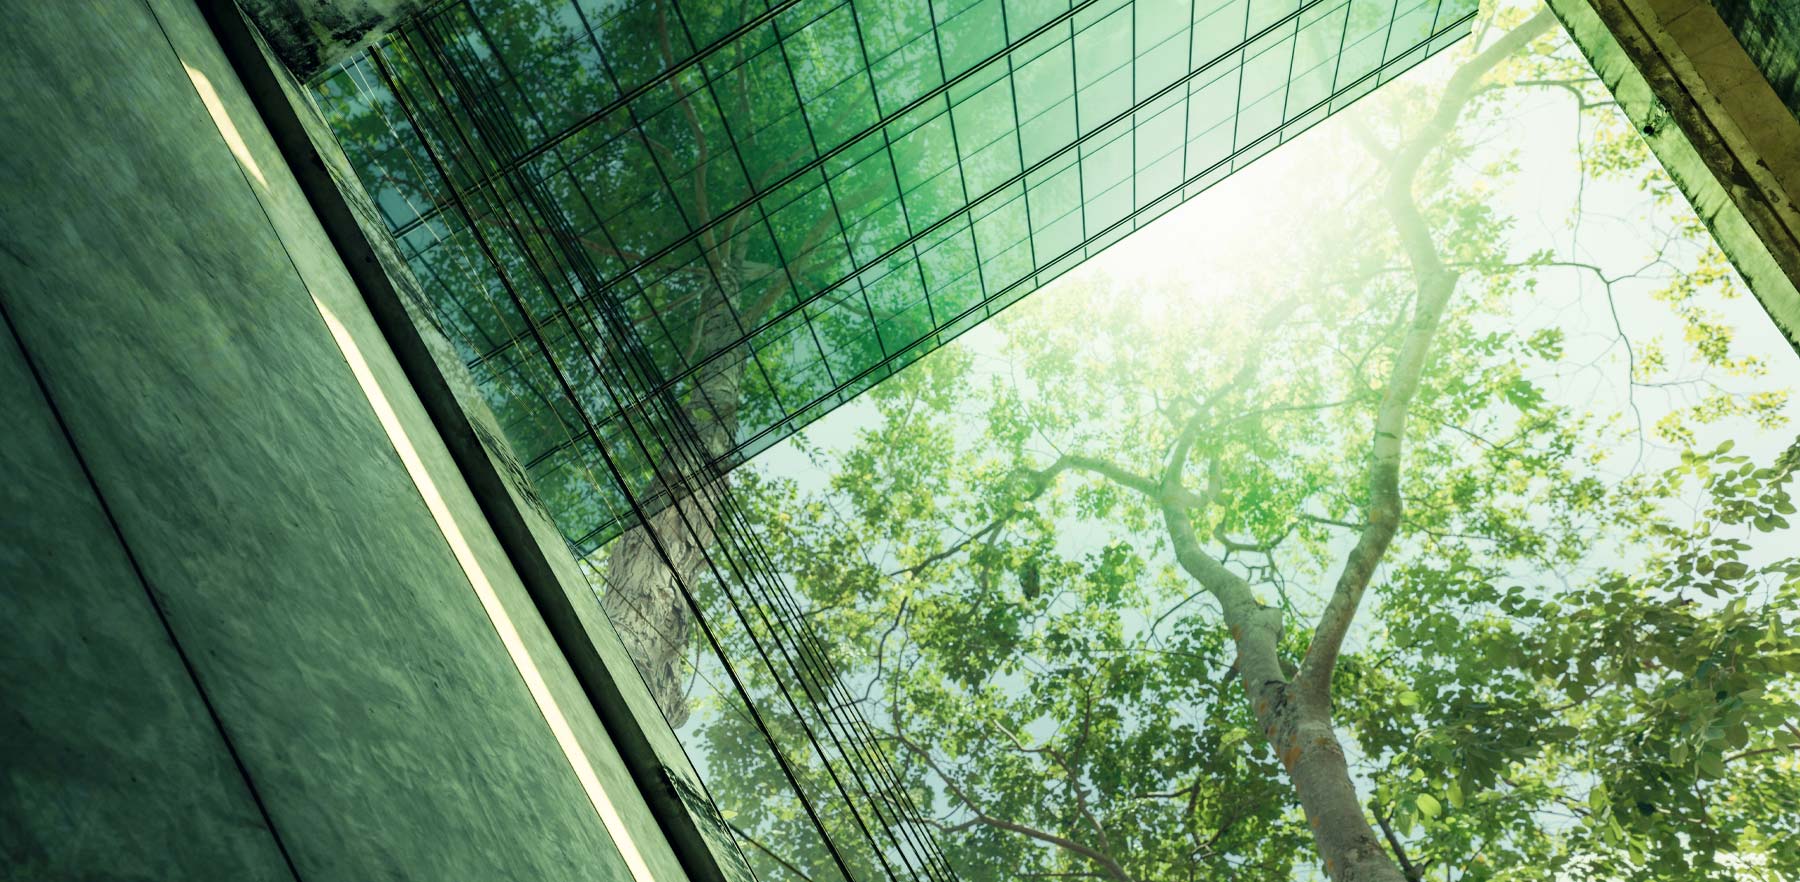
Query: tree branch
x=1435, y=284
x=1106, y=861
x=1413, y=873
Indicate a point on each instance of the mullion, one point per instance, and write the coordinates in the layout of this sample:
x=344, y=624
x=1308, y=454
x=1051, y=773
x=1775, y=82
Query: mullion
x=887, y=146
x=744, y=340
x=1075, y=100
x=1190, y=180
x=1023, y=175
x=824, y=182
x=821, y=158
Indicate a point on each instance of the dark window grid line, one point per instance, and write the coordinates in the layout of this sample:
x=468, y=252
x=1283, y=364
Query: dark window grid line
x=1388, y=39
x=1187, y=116
x=830, y=198
x=962, y=178
x=1287, y=90
x=1431, y=32
x=887, y=146
x=1243, y=63
x=1337, y=67
x=768, y=227
x=1017, y=134
x=626, y=209
x=1040, y=163
x=1075, y=96
x=820, y=158
x=1258, y=99
x=763, y=439
x=1365, y=40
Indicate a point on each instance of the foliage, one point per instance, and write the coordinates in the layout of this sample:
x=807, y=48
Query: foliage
x=1577, y=659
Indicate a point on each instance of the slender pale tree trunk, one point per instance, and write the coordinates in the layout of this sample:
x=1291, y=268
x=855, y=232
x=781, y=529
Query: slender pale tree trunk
x=1295, y=713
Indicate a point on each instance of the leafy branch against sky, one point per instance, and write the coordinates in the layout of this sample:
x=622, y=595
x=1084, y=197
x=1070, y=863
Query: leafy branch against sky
x=1414, y=506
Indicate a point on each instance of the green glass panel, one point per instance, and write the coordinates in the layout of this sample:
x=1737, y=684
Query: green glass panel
x=870, y=177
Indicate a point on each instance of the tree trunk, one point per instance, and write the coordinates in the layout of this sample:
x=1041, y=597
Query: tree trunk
x=644, y=602
x=1298, y=728
x=643, y=596
x=1308, y=747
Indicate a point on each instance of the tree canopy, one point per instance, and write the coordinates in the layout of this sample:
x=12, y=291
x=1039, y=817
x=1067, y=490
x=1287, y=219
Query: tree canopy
x=1414, y=544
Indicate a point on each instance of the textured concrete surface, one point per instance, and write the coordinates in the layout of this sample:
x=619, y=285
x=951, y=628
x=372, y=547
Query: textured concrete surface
x=1769, y=31
x=609, y=674
x=312, y=35
x=1716, y=125
x=610, y=677
x=169, y=281
x=107, y=753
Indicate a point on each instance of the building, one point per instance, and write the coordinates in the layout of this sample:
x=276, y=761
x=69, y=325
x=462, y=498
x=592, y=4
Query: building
x=291, y=536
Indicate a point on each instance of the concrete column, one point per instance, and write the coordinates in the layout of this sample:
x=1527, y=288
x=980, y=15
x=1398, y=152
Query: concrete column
x=1712, y=117
x=255, y=626
x=312, y=35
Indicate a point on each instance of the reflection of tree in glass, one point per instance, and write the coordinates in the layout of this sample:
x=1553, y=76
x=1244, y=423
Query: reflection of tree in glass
x=657, y=190
x=1083, y=602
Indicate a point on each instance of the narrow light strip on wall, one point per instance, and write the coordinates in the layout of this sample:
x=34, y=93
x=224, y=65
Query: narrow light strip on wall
x=503, y=625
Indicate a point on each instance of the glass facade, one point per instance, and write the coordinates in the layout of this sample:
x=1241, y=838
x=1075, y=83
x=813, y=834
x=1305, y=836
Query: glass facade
x=790, y=201
x=666, y=234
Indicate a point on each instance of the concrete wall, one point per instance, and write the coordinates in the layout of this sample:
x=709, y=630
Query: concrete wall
x=255, y=624
x=1716, y=125
x=1769, y=31
x=312, y=35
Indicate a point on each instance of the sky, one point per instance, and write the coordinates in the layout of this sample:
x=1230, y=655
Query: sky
x=1181, y=254
x=1190, y=254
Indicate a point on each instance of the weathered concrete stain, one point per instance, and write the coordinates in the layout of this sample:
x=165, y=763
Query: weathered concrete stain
x=1769, y=31
x=169, y=299
x=312, y=35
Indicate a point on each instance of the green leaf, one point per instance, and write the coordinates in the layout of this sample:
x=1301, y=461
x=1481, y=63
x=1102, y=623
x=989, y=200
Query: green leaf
x=1409, y=698
x=1428, y=805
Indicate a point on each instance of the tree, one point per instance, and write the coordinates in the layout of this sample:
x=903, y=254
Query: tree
x=1115, y=605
